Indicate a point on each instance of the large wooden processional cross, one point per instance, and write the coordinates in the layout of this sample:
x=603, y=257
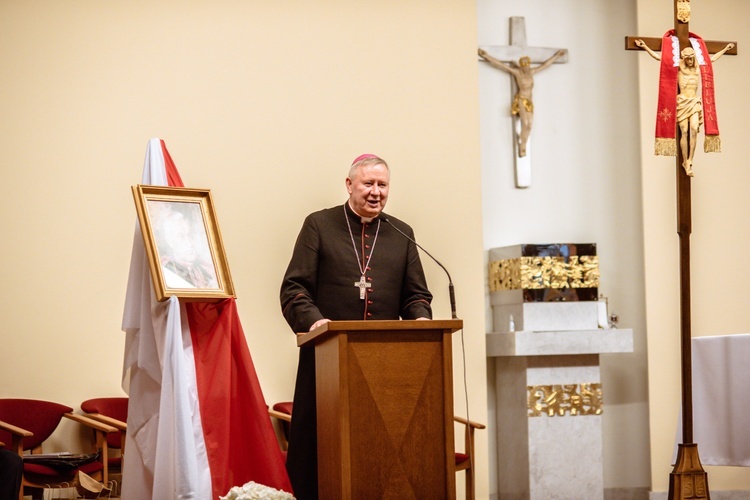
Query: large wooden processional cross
x=687, y=480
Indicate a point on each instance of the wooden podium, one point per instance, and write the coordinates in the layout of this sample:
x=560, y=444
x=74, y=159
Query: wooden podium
x=385, y=408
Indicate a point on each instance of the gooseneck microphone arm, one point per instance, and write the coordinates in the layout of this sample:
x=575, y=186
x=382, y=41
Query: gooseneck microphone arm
x=450, y=281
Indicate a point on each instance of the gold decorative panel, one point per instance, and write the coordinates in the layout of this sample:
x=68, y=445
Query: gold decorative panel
x=524, y=273
x=565, y=399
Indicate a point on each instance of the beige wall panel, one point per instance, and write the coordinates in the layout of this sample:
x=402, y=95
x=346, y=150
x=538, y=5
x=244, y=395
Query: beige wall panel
x=266, y=104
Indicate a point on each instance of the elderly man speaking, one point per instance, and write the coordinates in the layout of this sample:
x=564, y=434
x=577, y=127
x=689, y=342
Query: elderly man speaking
x=349, y=263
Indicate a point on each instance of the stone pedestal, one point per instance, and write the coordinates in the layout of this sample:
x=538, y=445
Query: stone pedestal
x=549, y=410
x=545, y=346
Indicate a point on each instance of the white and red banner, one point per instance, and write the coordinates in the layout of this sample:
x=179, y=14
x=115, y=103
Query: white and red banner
x=197, y=420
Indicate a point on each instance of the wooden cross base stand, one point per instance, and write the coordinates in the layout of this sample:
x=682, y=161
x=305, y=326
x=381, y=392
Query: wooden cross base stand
x=688, y=480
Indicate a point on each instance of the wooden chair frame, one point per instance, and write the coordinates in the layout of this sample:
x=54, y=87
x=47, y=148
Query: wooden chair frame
x=18, y=434
x=466, y=465
x=119, y=425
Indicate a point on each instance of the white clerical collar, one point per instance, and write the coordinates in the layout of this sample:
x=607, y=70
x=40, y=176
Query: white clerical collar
x=365, y=220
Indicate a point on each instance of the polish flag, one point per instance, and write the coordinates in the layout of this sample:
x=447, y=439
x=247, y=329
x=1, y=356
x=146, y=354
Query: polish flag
x=197, y=420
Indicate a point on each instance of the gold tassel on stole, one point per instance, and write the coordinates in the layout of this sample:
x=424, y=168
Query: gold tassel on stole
x=712, y=144
x=665, y=147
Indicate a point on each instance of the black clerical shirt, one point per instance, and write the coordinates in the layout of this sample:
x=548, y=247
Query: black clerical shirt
x=322, y=281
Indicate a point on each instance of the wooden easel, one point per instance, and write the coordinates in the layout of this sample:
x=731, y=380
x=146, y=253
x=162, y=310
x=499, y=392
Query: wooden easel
x=687, y=480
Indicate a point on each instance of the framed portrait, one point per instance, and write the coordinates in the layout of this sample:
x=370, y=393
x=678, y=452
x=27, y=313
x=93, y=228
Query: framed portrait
x=183, y=243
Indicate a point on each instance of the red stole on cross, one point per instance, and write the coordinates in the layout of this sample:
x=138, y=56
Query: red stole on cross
x=666, y=125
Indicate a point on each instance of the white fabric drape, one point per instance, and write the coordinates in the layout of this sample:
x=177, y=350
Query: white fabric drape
x=721, y=400
x=166, y=453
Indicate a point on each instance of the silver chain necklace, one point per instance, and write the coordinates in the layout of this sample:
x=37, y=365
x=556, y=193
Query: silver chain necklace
x=362, y=284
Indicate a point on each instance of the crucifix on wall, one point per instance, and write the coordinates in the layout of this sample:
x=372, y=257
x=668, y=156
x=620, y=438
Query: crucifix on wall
x=518, y=60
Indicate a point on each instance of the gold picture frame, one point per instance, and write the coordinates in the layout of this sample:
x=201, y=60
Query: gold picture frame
x=183, y=244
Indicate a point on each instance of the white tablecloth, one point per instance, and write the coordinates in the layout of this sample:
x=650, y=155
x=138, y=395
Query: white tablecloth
x=721, y=399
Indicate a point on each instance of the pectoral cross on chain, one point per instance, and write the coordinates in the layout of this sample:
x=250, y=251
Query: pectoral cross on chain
x=362, y=284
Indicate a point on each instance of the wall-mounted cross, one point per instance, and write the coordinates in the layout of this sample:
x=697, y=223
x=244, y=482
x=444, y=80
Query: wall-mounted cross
x=519, y=59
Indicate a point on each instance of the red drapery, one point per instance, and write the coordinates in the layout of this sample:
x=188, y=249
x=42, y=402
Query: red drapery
x=240, y=440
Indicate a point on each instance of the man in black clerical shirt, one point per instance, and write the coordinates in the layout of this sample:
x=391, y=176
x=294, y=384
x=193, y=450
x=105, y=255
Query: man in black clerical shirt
x=349, y=263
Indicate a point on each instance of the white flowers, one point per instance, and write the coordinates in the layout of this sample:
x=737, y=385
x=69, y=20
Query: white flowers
x=255, y=491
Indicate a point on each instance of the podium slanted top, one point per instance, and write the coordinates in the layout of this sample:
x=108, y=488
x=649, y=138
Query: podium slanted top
x=327, y=329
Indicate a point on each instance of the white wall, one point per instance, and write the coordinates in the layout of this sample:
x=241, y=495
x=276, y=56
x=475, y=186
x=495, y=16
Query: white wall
x=586, y=184
x=596, y=179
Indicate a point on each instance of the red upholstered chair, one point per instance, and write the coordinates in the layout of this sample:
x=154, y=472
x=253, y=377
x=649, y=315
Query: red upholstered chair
x=110, y=411
x=464, y=460
x=24, y=426
x=282, y=412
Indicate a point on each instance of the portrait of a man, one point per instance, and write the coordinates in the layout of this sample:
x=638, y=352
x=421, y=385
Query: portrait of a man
x=182, y=245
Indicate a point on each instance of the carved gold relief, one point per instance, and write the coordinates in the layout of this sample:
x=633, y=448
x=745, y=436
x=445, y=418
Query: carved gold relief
x=683, y=11
x=579, y=271
x=566, y=399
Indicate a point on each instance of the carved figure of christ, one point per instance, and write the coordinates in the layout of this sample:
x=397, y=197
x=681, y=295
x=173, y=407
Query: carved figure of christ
x=518, y=60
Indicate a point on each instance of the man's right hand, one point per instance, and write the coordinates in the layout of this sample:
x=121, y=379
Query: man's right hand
x=319, y=323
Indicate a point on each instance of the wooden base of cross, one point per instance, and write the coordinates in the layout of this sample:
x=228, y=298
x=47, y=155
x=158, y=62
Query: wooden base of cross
x=688, y=480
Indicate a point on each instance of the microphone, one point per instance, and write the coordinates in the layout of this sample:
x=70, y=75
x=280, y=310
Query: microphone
x=450, y=281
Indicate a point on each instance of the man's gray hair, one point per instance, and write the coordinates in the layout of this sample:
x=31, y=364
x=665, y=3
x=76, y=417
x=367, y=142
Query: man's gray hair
x=370, y=160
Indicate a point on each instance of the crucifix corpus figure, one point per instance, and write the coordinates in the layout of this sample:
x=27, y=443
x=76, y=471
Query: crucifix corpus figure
x=695, y=98
x=523, y=106
x=522, y=63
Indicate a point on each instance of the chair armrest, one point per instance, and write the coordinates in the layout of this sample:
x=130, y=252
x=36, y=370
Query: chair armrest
x=470, y=423
x=118, y=424
x=277, y=429
x=281, y=416
x=16, y=431
x=100, y=430
x=16, y=434
x=90, y=422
